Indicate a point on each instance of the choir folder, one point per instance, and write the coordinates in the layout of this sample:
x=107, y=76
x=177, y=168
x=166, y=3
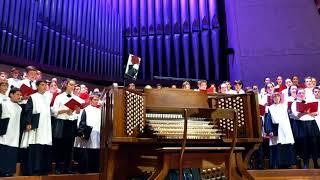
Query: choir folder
x=35, y=120
x=4, y=126
x=73, y=104
x=304, y=107
x=26, y=91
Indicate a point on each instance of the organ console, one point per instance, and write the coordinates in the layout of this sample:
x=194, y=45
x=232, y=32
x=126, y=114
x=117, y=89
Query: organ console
x=157, y=130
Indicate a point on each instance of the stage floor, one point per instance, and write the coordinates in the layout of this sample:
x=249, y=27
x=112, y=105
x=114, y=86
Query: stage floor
x=276, y=174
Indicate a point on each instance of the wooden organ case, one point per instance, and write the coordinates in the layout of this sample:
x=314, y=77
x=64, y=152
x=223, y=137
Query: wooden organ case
x=161, y=129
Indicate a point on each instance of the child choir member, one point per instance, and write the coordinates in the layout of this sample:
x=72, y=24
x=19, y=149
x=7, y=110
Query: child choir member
x=306, y=131
x=64, y=127
x=237, y=88
x=308, y=89
x=186, y=85
x=9, y=141
x=89, y=136
x=29, y=81
x=223, y=88
x=14, y=79
x=277, y=126
x=37, y=136
x=3, y=89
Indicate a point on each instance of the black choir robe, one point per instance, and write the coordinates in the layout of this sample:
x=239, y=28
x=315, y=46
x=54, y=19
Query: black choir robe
x=38, y=140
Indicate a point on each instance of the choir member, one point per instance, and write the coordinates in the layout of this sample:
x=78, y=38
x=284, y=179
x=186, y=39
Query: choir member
x=3, y=76
x=255, y=88
x=14, y=79
x=30, y=81
x=313, y=82
x=308, y=89
x=96, y=90
x=212, y=88
x=266, y=82
x=186, y=85
x=316, y=92
x=37, y=136
x=89, y=136
x=9, y=142
x=84, y=93
x=202, y=85
x=288, y=83
x=76, y=90
x=277, y=126
x=306, y=131
x=265, y=99
x=295, y=80
x=64, y=127
x=39, y=75
x=279, y=87
x=53, y=89
x=3, y=89
x=237, y=88
x=131, y=86
x=223, y=88
x=229, y=87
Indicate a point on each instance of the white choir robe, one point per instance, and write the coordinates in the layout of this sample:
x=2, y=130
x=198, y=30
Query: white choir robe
x=285, y=92
x=318, y=116
x=91, y=116
x=235, y=92
x=309, y=94
x=279, y=115
x=13, y=83
x=41, y=135
x=59, y=104
x=4, y=98
x=262, y=101
x=263, y=91
x=13, y=111
x=9, y=142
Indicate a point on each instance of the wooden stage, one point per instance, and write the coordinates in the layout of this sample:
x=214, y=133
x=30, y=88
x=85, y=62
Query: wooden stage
x=282, y=174
x=278, y=174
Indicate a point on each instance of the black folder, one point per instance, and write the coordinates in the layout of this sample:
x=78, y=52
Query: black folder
x=275, y=128
x=4, y=126
x=87, y=132
x=35, y=120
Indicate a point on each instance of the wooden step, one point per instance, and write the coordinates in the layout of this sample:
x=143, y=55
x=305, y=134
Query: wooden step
x=93, y=176
x=282, y=174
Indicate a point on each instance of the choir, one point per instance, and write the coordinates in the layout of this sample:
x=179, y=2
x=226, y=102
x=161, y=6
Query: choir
x=41, y=122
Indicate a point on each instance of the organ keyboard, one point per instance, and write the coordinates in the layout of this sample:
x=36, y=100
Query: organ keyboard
x=171, y=126
x=161, y=129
